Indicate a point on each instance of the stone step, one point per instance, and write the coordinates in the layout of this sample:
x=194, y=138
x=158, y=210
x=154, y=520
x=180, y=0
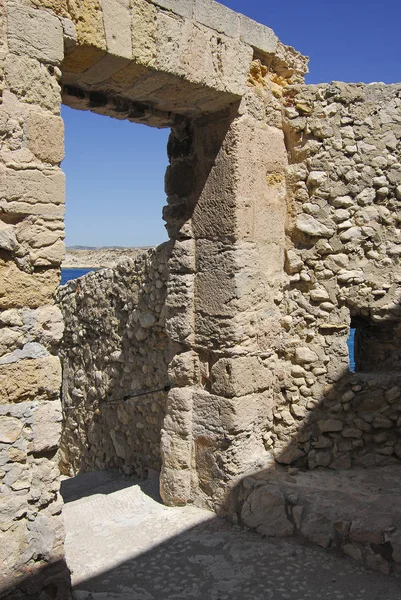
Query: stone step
x=355, y=512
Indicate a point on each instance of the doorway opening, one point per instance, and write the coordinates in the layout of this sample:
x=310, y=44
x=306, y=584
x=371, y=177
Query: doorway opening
x=115, y=194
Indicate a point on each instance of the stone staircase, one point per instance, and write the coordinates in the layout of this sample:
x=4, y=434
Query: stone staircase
x=355, y=512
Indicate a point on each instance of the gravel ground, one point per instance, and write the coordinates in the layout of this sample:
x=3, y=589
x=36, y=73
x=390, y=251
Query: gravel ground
x=123, y=544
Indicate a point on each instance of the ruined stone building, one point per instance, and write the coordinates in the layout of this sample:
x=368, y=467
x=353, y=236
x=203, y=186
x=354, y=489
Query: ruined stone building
x=283, y=213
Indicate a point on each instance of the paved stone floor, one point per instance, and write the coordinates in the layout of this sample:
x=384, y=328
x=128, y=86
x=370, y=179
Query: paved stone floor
x=123, y=544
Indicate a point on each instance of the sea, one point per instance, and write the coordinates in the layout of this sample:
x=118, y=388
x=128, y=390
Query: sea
x=68, y=274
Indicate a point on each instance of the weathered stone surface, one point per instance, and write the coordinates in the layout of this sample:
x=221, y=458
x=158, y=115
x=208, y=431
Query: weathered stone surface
x=46, y=428
x=34, y=33
x=264, y=510
x=25, y=289
x=46, y=136
x=32, y=82
x=10, y=430
x=117, y=24
x=30, y=379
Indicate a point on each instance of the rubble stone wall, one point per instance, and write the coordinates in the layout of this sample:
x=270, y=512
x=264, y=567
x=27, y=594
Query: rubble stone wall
x=342, y=267
x=114, y=347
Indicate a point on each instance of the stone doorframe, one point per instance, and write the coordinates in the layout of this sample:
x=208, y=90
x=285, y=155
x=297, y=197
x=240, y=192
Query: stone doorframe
x=189, y=65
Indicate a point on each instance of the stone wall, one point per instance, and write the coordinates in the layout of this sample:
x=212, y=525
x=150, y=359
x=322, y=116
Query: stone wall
x=31, y=250
x=158, y=62
x=342, y=266
x=115, y=347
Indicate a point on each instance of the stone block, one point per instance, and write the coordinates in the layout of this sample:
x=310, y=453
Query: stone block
x=34, y=33
x=19, y=289
x=218, y=17
x=88, y=18
x=10, y=429
x=184, y=8
x=46, y=428
x=105, y=68
x=175, y=486
x=240, y=376
x=171, y=35
x=45, y=135
x=8, y=240
x=176, y=451
x=257, y=35
x=215, y=293
x=80, y=59
x=229, y=415
x=32, y=82
x=184, y=369
x=30, y=379
x=264, y=510
x=69, y=32
x=117, y=26
x=144, y=31
x=35, y=188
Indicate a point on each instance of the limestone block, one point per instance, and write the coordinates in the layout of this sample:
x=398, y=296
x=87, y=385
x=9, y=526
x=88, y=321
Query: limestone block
x=311, y=226
x=230, y=415
x=45, y=135
x=34, y=33
x=257, y=35
x=178, y=423
x=240, y=376
x=69, y=32
x=10, y=429
x=10, y=339
x=108, y=66
x=218, y=17
x=30, y=379
x=51, y=255
x=171, y=35
x=184, y=368
x=264, y=510
x=144, y=31
x=37, y=232
x=40, y=190
x=88, y=19
x=11, y=318
x=12, y=548
x=317, y=528
x=175, y=486
x=19, y=289
x=216, y=61
x=176, y=451
x=117, y=26
x=8, y=241
x=215, y=292
x=80, y=59
x=46, y=428
x=45, y=324
x=32, y=82
x=304, y=355
x=184, y=8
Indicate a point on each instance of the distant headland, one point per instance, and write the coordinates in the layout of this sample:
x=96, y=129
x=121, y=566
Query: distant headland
x=82, y=257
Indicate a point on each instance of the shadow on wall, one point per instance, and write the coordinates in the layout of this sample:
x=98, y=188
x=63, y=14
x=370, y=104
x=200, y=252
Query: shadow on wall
x=355, y=511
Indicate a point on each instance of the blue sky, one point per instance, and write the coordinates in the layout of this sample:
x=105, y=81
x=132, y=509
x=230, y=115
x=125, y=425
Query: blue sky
x=115, y=169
